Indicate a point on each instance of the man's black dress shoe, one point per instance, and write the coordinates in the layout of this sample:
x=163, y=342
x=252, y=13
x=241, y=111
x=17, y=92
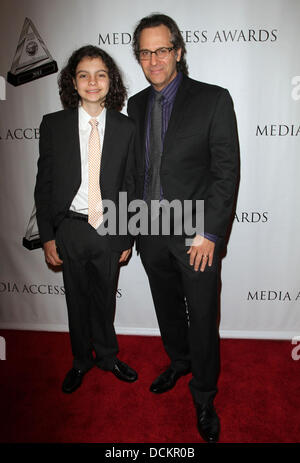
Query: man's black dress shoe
x=124, y=372
x=167, y=380
x=72, y=380
x=208, y=422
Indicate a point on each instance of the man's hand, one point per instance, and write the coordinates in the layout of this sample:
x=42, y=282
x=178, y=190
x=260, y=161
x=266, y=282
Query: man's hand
x=50, y=252
x=202, y=249
x=125, y=255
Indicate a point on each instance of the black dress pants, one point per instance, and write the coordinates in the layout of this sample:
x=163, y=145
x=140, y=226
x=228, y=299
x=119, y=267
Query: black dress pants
x=186, y=304
x=90, y=272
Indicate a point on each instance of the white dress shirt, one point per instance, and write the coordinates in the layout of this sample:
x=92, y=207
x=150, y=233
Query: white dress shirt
x=80, y=201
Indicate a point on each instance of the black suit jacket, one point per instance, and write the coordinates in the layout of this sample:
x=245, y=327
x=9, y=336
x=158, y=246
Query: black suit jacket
x=59, y=168
x=200, y=155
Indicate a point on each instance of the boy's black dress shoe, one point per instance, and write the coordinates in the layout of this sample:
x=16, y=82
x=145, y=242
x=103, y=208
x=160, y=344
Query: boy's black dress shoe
x=167, y=380
x=72, y=381
x=208, y=422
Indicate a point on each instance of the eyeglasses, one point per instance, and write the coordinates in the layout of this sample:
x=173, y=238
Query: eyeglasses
x=160, y=53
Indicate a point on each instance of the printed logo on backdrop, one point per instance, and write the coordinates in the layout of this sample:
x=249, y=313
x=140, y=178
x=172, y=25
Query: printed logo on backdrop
x=278, y=295
x=251, y=217
x=13, y=287
x=278, y=130
x=32, y=59
x=230, y=36
x=28, y=133
x=201, y=36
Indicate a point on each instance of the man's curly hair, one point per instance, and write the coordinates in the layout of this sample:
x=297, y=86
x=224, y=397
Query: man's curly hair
x=68, y=94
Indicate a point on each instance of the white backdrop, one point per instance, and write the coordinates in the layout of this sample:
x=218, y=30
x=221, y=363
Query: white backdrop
x=248, y=46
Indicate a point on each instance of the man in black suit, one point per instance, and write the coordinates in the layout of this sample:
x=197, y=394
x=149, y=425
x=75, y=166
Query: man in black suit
x=70, y=192
x=187, y=147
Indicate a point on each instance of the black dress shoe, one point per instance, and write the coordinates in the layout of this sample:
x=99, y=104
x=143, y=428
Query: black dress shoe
x=167, y=380
x=208, y=422
x=124, y=372
x=72, y=380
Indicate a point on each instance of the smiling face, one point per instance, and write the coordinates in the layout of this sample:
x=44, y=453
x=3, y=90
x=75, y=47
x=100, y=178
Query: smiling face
x=159, y=72
x=92, y=83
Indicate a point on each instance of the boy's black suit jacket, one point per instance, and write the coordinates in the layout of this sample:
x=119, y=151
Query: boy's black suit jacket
x=59, y=168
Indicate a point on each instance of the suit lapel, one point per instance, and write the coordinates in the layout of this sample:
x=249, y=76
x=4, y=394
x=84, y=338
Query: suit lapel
x=110, y=136
x=181, y=102
x=73, y=145
x=143, y=116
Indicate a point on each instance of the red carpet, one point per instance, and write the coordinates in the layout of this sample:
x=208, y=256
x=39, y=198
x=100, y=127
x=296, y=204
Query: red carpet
x=258, y=400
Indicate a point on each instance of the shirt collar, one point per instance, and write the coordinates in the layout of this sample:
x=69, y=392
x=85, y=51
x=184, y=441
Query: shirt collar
x=169, y=92
x=84, y=118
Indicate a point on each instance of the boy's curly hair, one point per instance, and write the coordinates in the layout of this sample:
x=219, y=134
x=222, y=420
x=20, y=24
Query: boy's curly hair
x=68, y=94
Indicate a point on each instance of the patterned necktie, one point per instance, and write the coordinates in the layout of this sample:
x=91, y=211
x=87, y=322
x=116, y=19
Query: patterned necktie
x=95, y=201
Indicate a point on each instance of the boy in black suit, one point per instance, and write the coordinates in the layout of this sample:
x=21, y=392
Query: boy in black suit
x=86, y=156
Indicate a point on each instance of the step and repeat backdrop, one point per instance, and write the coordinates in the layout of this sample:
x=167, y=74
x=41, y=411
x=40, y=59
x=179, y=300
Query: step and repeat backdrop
x=248, y=46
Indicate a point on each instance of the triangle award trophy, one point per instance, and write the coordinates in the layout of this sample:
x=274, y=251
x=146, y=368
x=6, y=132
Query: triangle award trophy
x=31, y=239
x=32, y=58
